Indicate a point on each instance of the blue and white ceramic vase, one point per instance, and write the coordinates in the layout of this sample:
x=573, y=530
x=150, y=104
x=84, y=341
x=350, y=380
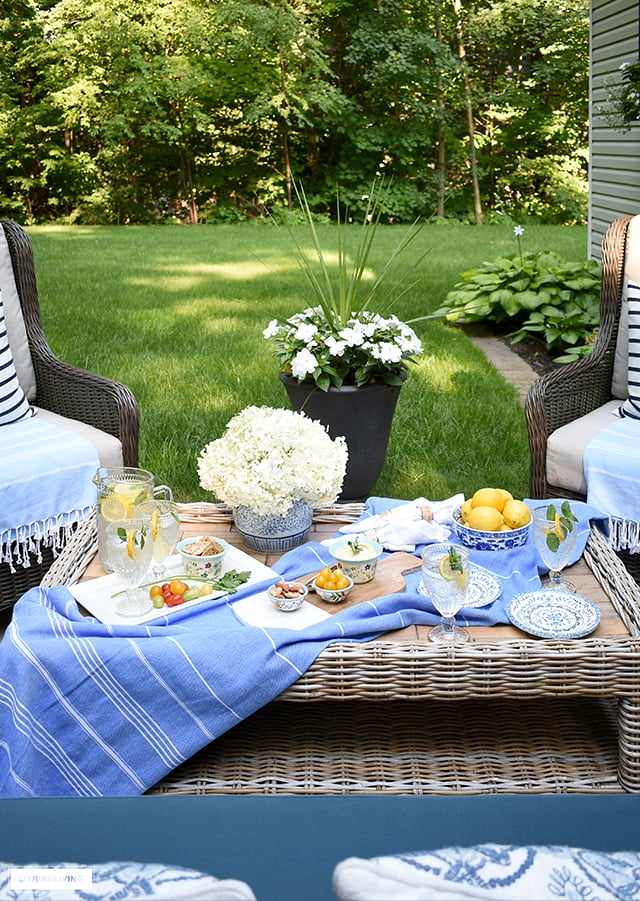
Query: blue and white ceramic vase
x=274, y=533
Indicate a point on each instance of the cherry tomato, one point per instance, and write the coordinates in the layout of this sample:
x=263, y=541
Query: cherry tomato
x=173, y=600
x=178, y=587
x=165, y=587
x=158, y=601
x=206, y=589
x=155, y=591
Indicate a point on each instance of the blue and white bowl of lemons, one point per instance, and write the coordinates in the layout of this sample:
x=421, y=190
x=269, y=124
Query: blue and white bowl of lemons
x=492, y=520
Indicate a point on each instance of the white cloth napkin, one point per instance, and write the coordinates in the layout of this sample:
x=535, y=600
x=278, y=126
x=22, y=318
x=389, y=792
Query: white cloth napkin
x=403, y=527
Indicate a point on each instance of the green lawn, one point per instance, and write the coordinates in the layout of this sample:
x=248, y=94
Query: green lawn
x=177, y=314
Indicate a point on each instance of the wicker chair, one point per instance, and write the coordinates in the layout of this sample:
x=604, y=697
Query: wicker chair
x=573, y=391
x=63, y=389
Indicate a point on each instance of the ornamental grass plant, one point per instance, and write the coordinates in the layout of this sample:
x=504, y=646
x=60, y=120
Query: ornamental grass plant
x=178, y=313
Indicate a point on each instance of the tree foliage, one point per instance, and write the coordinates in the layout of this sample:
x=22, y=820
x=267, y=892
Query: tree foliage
x=197, y=110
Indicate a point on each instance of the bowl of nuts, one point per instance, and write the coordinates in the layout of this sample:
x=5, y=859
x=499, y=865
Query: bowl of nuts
x=202, y=556
x=287, y=596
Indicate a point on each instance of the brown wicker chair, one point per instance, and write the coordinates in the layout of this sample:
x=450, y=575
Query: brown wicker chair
x=67, y=390
x=572, y=391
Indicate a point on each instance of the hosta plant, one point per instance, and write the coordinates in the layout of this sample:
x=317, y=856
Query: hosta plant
x=537, y=295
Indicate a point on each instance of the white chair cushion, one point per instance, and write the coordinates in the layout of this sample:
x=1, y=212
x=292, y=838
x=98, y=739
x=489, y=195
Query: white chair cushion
x=109, y=448
x=15, y=323
x=492, y=872
x=119, y=881
x=566, y=447
x=14, y=406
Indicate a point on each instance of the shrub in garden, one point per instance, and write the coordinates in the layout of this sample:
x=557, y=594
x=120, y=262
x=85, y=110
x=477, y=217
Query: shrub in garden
x=537, y=295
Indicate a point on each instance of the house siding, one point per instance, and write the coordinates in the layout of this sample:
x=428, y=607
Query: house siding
x=614, y=173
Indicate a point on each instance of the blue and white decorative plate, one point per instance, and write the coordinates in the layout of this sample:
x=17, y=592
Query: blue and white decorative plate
x=552, y=613
x=483, y=589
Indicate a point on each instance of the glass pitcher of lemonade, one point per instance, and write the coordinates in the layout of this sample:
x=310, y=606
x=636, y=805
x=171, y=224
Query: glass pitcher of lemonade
x=120, y=491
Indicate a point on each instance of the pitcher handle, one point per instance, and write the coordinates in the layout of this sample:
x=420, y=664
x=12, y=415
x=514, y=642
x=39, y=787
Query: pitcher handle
x=163, y=493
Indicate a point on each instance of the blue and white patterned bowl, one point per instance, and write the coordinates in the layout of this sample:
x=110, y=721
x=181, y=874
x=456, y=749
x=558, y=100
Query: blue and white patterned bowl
x=288, y=605
x=489, y=541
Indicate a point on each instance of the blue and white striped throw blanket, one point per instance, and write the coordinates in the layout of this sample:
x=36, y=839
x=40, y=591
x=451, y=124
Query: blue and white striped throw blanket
x=89, y=709
x=612, y=471
x=45, y=487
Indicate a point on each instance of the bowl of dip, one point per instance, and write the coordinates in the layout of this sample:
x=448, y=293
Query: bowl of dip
x=357, y=556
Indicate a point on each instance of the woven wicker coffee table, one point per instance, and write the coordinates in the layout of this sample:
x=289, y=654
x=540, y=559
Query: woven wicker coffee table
x=505, y=712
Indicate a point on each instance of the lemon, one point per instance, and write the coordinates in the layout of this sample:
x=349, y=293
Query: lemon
x=465, y=509
x=451, y=575
x=506, y=495
x=130, y=548
x=516, y=514
x=504, y=528
x=558, y=529
x=113, y=508
x=486, y=519
x=488, y=497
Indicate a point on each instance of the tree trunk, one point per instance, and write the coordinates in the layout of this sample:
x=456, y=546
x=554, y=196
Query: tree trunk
x=477, y=204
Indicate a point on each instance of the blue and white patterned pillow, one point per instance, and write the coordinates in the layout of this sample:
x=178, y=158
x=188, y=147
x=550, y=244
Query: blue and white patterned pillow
x=631, y=406
x=122, y=880
x=496, y=872
x=14, y=406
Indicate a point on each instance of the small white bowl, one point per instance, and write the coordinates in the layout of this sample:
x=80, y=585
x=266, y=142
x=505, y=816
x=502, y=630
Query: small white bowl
x=199, y=566
x=333, y=595
x=359, y=567
x=288, y=605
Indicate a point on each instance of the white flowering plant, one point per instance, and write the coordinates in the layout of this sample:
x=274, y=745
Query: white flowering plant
x=315, y=345
x=339, y=340
x=268, y=458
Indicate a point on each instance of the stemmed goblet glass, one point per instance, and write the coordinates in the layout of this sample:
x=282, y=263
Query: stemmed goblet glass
x=445, y=576
x=165, y=531
x=129, y=550
x=554, y=535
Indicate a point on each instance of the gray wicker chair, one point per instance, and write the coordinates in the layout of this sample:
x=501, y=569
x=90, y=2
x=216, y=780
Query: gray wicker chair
x=572, y=391
x=67, y=390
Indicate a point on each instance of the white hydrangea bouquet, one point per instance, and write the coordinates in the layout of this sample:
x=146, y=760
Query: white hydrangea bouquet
x=269, y=458
x=340, y=340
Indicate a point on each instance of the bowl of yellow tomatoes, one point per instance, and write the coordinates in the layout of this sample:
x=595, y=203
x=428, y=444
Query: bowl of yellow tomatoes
x=332, y=585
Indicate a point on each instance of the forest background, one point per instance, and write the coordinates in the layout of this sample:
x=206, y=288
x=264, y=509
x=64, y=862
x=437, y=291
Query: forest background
x=205, y=110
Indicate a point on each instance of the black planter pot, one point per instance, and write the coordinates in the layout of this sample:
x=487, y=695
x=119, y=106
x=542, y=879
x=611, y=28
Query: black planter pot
x=362, y=415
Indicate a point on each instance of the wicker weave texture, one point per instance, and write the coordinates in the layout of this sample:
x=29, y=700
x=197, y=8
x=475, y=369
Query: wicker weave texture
x=67, y=390
x=409, y=748
x=574, y=390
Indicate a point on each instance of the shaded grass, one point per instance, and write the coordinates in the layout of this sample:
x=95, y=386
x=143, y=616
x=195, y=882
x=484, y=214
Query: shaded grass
x=177, y=314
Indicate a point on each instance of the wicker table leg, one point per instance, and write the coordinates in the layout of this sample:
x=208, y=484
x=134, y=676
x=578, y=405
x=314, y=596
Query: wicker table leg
x=629, y=744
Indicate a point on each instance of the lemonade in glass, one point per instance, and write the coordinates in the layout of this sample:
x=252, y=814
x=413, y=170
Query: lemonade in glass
x=120, y=491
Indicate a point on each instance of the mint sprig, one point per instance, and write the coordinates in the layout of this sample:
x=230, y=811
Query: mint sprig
x=455, y=560
x=566, y=519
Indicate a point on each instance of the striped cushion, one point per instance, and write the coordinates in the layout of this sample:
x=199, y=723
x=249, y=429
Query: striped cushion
x=631, y=406
x=13, y=404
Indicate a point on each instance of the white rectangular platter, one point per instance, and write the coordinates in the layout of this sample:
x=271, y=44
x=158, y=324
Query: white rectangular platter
x=97, y=595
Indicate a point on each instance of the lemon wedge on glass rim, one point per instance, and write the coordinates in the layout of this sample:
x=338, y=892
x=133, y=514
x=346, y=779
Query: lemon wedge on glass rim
x=451, y=575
